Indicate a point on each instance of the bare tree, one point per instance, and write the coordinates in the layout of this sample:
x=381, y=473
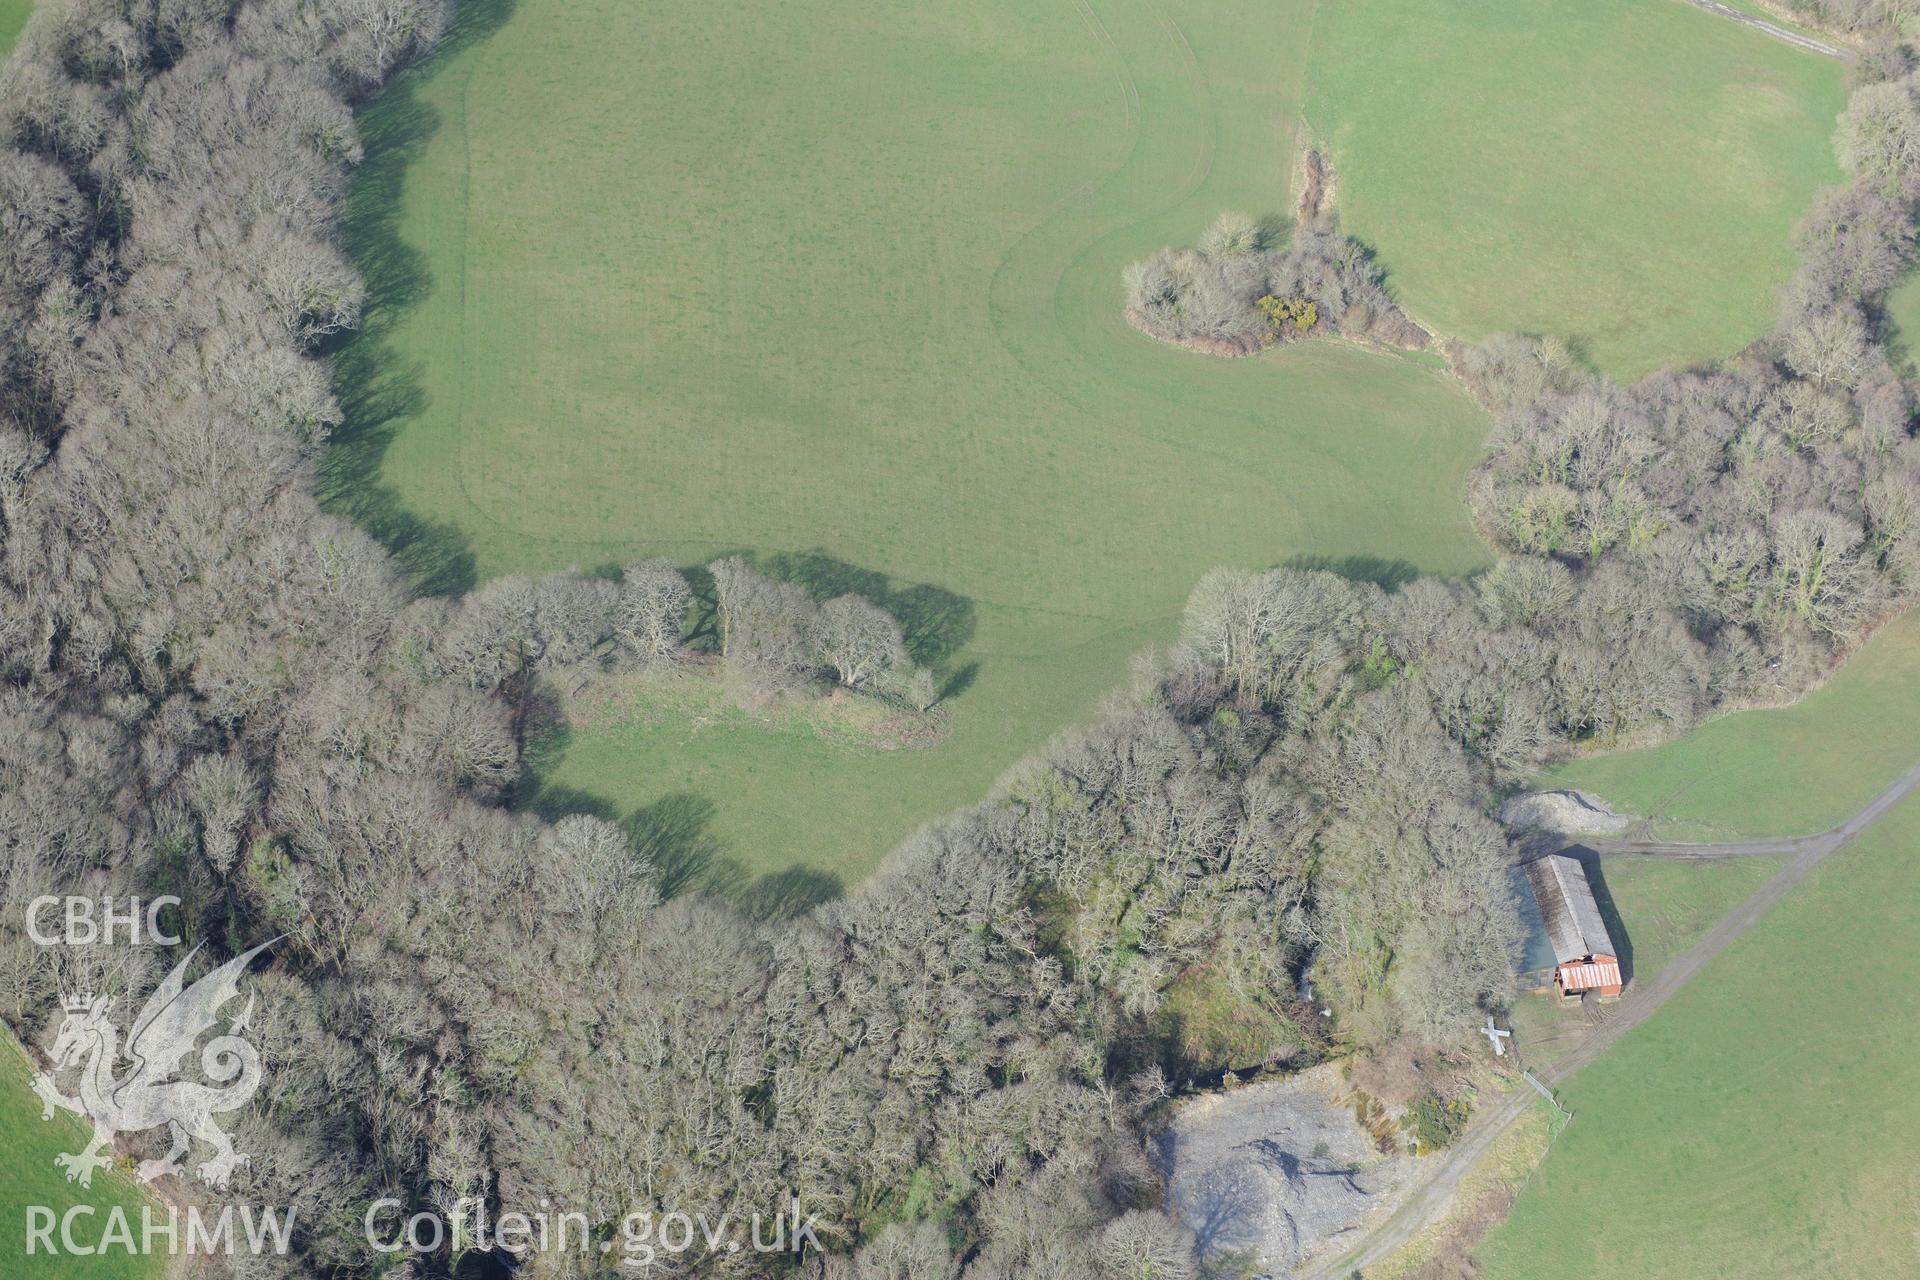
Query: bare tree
x=1230, y=235
x=1830, y=347
x=764, y=625
x=1819, y=576
x=653, y=609
x=858, y=641
x=1143, y=1245
x=222, y=795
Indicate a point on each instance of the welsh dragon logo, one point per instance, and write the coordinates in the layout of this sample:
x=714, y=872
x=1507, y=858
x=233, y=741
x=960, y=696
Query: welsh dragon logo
x=151, y=1093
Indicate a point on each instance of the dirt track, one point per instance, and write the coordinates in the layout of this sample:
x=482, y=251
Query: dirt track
x=1793, y=38
x=1442, y=1179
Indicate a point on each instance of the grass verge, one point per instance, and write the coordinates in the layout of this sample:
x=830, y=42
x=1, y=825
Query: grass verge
x=29, y=1177
x=13, y=16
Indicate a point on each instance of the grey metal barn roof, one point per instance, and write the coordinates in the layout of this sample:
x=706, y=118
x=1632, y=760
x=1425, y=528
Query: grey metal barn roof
x=1567, y=908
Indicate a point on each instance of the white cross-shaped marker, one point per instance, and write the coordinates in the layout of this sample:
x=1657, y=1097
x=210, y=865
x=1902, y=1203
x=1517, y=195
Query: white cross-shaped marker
x=1494, y=1036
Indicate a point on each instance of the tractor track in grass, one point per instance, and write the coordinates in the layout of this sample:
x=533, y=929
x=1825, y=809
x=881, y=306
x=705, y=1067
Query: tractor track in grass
x=1435, y=1192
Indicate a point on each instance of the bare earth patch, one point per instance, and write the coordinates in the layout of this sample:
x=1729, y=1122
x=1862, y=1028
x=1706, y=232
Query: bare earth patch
x=1563, y=812
x=1317, y=182
x=1273, y=1174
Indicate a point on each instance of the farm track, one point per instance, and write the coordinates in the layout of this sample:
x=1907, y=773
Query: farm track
x=1436, y=1190
x=1689, y=851
x=1766, y=28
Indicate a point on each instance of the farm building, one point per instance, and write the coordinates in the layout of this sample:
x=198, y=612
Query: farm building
x=1583, y=953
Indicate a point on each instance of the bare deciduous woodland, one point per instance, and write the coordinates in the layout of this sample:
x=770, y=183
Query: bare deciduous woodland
x=208, y=684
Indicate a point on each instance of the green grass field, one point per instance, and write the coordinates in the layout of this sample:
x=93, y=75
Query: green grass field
x=13, y=16
x=1903, y=316
x=1762, y=1123
x=1791, y=771
x=28, y=1176
x=841, y=279
x=1575, y=169
x=1663, y=907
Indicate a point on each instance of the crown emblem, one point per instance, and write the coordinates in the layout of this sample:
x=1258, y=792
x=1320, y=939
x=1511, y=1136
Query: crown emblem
x=151, y=1092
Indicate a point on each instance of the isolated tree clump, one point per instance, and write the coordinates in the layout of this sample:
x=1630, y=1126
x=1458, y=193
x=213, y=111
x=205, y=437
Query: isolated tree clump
x=774, y=638
x=1240, y=290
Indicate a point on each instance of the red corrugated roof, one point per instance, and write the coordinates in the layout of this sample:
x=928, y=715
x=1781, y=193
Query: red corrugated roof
x=1582, y=977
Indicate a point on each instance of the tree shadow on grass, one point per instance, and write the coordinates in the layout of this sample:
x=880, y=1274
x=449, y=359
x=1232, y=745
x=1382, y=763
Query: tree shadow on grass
x=674, y=835
x=959, y=681
x=937, y=622
x=703, y=632
x=1898, y=345
x=671, y=833
x=1275, y=230
x=552, y=803
x=785, y=895
x=377, y=390
x=1371, y=255
x=1609, y=912
x=1388, y=575
x=473, y=21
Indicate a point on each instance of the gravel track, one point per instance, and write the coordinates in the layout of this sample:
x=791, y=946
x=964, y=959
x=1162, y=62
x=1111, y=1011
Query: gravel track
x=1793, y=38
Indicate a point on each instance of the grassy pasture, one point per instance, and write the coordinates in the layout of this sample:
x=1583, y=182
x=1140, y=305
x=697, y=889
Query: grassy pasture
x=1903, y=319
x=13, y=16
x=1761, y=1124
x=28, y=1176
x=838, y=282
x=1790, y=771
x=1576, y=169
x=854, y=296
x=1662, y=908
